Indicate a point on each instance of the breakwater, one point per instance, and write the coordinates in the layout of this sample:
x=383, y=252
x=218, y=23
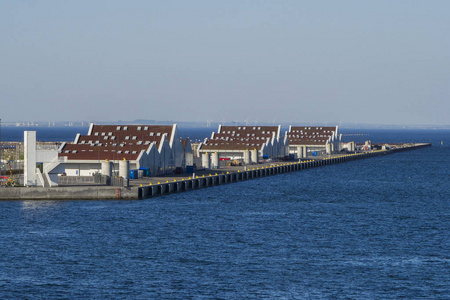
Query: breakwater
x=218, y=179
x=183, y=185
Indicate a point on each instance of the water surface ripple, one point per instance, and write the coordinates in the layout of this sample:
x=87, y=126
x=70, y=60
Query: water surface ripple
x=370, y=229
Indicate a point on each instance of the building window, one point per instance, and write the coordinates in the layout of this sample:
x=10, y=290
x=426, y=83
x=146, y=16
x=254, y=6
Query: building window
x=103, y=133
x=126, y=152
x=139, y=128
x=118, y=128
x=134, y=137
x=146, y=128
x=158, y=134
x=96, y=133
x=110, y=133
x=127, y=137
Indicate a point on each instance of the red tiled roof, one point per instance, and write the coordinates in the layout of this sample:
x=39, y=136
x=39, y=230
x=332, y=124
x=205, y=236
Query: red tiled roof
x=93, y=152
x=115, y=142
x=310, y=135
x=240, y=138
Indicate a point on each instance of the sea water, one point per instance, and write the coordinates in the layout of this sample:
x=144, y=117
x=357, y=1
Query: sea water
x=370, y=229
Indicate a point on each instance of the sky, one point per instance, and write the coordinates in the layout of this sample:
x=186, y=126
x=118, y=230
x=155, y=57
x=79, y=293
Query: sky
x=323, y=62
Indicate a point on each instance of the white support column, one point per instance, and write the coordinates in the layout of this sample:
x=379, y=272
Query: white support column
x=205, y=160
x=305, y=151
x=299, y=152
x=254, y=156
x=124, y=168
x=328, y=148
x=106, y=168
x=29, y=140
x=246, y=157
x=215, y=160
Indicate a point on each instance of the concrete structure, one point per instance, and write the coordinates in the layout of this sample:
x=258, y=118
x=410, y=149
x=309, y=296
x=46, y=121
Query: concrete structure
x=157, y=148
x=29, y=142
x=188, y=153
x=305, y=140
x=52, y=166
x=245, y=143
x=350, y=146
x=182, y=184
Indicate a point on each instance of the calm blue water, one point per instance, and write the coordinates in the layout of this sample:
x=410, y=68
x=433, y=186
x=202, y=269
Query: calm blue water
x=43, y=134
x=370, y=229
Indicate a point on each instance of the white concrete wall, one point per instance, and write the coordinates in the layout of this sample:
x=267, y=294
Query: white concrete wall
x=46, y=156
x=176, y=147
x=30, y=158
x=82, y=169
x=188, y=154
x=166, y=162
x=150, y=159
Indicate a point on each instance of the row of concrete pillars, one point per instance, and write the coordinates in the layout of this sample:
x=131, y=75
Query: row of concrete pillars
x=212, y=161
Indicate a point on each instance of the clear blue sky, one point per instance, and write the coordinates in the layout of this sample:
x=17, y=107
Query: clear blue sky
x=385, y=62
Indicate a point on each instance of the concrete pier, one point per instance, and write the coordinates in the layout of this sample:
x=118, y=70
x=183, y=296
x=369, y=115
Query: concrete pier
x=182, y=185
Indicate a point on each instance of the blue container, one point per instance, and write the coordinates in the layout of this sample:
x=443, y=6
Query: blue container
x=134, y=174
x=189, y=169
x=265, y=156
x=314, y=153
x=146, y=171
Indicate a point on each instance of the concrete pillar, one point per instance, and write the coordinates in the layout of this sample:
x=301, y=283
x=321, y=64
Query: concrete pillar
x=215, y=160
x=124, y=168
x=106, y=168
x=299, y=152
x=205, y=160
x=246, y=157
x=29, y=143
x=189, y=159
x=305, y=151
x=254, y=156
x=332, y=147
x=328, y=148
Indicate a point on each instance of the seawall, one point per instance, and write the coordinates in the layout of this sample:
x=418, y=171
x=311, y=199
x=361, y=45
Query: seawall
x=214, y=180
x=68, y=193
x=176, y=186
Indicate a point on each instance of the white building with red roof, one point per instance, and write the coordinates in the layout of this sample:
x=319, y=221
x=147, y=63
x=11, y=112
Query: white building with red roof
x=157, y=148
x=305, y=140
x=246, y=143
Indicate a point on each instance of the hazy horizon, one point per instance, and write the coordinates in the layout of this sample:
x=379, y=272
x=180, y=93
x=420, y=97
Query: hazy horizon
x=327, y=62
